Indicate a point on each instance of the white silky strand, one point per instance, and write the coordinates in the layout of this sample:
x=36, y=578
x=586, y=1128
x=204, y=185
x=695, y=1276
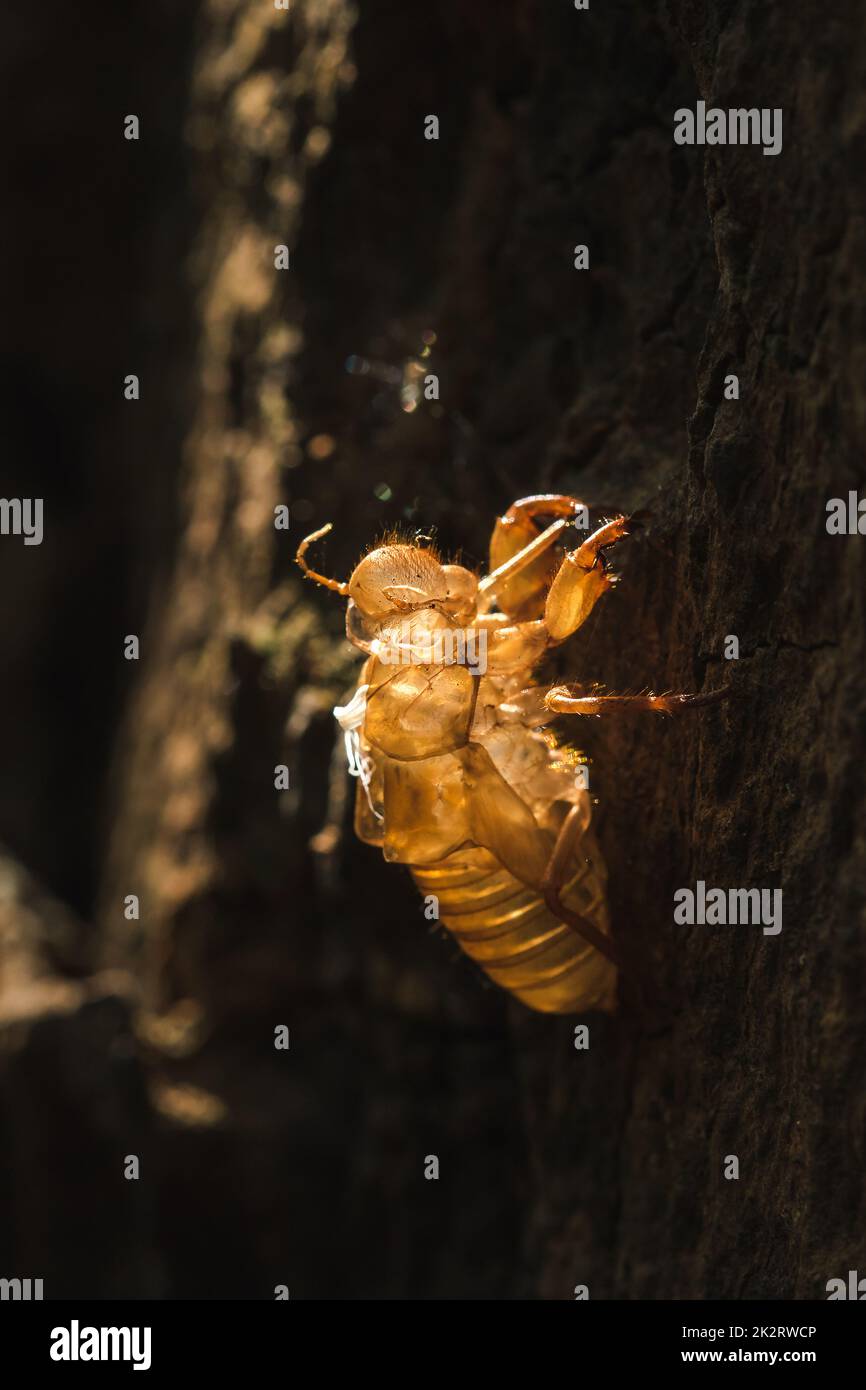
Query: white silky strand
x=350, y=717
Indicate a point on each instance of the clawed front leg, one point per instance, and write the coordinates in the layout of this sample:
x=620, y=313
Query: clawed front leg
x=495, y=583
x=521, y=566
x=564, y=699
x=581, y=580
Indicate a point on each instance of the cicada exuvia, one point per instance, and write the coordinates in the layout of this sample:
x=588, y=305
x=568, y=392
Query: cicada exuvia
x=458, y=778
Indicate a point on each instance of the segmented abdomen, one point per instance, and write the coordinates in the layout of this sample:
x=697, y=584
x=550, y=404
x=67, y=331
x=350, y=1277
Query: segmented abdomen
x=509, y=932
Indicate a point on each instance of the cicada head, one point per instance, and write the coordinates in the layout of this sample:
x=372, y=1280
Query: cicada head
x=397, y=578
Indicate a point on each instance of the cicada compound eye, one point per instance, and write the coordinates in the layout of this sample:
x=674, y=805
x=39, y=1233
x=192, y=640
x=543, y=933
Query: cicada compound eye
x=462, y=597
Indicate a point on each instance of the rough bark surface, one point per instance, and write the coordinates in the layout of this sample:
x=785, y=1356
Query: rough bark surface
x=559, y=1167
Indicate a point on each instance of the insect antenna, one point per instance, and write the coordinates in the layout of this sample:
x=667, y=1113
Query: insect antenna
x=300, y=555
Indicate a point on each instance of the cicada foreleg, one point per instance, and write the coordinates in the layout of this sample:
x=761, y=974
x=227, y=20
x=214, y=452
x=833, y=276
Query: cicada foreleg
x=520, y=563
x=581, y=580
x=516, y=563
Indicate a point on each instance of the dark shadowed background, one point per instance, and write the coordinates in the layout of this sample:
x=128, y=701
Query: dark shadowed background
x=156, y=778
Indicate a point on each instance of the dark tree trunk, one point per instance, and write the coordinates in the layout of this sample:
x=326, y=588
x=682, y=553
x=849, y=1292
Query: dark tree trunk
x=559, y=1166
